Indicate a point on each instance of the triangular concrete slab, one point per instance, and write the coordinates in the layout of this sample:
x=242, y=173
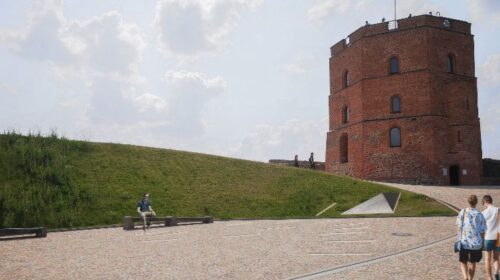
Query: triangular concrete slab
x=378, y=204
x=392, y=198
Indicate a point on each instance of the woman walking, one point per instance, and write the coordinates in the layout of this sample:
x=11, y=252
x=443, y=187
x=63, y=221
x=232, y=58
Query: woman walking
x=471, y=228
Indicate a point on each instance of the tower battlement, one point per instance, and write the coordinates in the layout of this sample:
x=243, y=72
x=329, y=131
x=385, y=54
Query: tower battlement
x=399, y=25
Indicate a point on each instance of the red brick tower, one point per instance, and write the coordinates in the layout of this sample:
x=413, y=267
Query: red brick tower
x=403, y=103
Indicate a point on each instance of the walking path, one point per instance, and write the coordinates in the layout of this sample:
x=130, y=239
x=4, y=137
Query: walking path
x=437, y=261
x=263, y=249
x=456, y=196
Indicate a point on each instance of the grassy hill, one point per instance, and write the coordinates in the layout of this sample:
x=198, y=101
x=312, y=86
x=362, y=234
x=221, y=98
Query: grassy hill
x=57, y=182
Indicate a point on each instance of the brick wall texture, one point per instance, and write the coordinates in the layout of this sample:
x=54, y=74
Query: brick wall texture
x=438, y=120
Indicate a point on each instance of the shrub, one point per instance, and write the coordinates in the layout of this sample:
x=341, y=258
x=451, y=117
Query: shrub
x=38, y=190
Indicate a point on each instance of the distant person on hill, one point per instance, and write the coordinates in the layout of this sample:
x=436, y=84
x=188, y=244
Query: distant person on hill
x=490, y=214
x=144, y=209
x=471, y=228
x=312, y=165
x=296, y=161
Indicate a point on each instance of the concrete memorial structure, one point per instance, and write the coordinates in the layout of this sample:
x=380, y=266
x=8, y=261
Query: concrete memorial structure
x=384, y=203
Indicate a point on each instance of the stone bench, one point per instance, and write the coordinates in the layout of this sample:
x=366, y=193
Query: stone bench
x=38, y=231
x=129, y=221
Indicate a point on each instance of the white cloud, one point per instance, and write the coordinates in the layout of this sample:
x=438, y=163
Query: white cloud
x=490, y=70
x=326, y=8
x=139, y=133
x=112, y=102
x=302, y=64
x=177, y=111
x=98, y=56
x=490, y=129
x=192, y=27
x=174, y=119
x=490, y=120
x=148, y=101
x=489, y=98
x=484, y=10
x=403, y=8
x=185, y=78
x=39, y=38
x=7, y=89
x=489, y=95
x=418, y=7
x=106, y=44
x=189, y=92
x=295, y=68
x=284, y=141
x=97, y=59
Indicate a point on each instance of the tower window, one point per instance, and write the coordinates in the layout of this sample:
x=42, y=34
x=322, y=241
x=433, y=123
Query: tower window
x=459, y=138
x=345, y=114
x=395, y=104
x=394, y=65
x=451, y=63
x=395, y=137
x=344, y=148
x=345, y=79
x=467, y=104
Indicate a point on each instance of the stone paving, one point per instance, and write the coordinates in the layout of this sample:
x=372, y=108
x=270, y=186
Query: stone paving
x=265, y=249
x=262, y=249
x=436, y=263
x=439, y=262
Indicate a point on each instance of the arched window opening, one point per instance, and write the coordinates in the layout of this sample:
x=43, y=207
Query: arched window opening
x=394, y=65
x=346, y=79
x=345, y=114
x=395, y=104
x=459, y=137
x=344, y=148
x=467, y=104
x=451, y=63
x=395, y=137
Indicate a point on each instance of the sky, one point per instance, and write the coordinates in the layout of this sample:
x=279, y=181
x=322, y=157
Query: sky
x=239, y=78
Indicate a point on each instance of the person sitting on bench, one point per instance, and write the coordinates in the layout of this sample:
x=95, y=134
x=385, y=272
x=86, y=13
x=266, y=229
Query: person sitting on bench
x=144, y=209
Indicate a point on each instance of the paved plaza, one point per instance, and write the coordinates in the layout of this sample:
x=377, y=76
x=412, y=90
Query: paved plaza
x=364, y=248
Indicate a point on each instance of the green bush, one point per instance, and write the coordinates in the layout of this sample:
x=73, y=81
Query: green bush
x=38, y=190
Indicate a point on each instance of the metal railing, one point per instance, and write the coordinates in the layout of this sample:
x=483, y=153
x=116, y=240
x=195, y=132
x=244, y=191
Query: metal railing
x=393, y=24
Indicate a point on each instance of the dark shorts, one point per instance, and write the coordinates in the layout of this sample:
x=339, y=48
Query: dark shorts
x=490, y=245
x=473, y=256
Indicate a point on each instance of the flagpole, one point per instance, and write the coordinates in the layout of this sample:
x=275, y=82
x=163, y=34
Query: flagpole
x=394, y=10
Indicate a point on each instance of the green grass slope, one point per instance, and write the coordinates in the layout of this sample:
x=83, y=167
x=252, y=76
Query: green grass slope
x=62, y=183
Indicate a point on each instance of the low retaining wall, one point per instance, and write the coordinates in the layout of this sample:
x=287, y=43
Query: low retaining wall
x=491, y=172
x=302, y=163
x=490, y=181
x=491, y=167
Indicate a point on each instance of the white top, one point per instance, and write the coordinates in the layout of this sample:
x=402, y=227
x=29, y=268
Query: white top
x=491, y=216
